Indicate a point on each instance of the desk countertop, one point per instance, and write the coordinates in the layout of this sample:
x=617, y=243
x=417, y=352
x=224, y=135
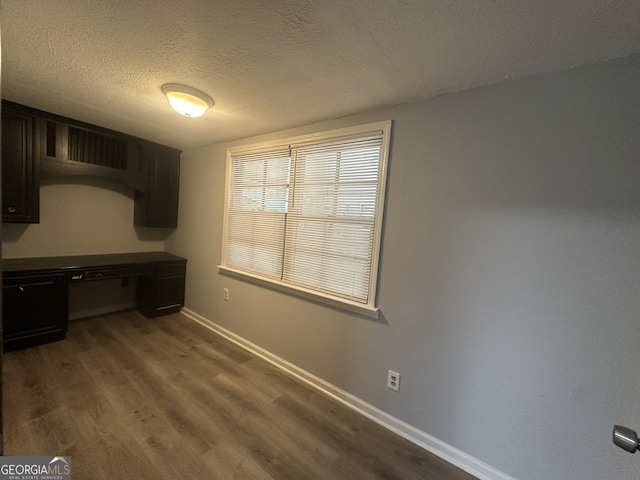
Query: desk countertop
x=75, y=262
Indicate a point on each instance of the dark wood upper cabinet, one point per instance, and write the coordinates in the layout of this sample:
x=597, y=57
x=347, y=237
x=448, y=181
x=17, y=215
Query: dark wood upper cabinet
x=38, y=144
x=20, y=181
x=158, y=206
x=74, y=148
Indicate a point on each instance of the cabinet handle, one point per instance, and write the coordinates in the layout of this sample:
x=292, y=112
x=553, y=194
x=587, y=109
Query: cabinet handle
x=11, y=209
x=21, y=289
x=626, y=438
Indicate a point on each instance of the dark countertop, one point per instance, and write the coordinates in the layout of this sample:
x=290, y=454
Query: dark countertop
x=75, y=262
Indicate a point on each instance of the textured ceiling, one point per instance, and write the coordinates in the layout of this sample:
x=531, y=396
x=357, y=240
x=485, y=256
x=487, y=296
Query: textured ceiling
x=274, y=64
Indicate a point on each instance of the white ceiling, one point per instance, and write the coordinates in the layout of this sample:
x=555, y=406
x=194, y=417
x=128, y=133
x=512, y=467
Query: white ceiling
x=274, y=64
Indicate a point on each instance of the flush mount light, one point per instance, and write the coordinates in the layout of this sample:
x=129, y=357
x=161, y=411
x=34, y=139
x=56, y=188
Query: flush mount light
x=187, y=101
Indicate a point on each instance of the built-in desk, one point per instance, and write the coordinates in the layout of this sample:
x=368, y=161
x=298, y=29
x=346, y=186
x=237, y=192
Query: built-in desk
x=36, y=290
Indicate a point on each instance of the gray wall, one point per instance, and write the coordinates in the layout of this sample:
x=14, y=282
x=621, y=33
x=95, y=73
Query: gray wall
x=81, y=216
x=510, y=273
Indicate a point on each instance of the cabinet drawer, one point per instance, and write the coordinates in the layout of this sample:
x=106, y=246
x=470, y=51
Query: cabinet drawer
x=34, y=310
x=169, y=269
x=105, y=273
x=169, y=292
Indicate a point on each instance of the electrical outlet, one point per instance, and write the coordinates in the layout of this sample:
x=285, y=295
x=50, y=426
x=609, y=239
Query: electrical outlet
x=225, y=294
x=393, y=380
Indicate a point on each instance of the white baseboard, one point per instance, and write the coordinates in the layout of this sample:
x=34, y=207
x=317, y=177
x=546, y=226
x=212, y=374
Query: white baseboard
x=443, y=450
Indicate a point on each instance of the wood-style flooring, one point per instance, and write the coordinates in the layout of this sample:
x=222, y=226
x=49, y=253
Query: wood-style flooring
x=133, y=398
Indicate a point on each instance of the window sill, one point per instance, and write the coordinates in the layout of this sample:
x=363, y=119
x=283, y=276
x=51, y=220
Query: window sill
x=358, y=308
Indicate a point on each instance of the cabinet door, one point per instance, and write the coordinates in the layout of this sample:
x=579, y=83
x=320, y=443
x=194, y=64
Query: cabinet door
x=34, y=310
x=163, y=292
x=20, y=186
x=158, y=207
x=169, y=292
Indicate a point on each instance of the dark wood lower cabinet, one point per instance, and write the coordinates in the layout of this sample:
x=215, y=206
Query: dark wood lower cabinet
x=34, y=310
x=163, y=292
x=36, y=290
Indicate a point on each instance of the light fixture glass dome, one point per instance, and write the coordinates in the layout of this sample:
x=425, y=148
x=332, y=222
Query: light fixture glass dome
x=187, y=101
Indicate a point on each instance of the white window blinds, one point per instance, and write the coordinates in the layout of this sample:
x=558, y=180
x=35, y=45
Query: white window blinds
x=256, y=213
x=308, y=214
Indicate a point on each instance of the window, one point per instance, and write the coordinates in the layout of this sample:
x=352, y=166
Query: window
x=305, y=214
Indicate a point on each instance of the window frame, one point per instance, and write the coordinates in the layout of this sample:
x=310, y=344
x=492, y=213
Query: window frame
x=369, y=309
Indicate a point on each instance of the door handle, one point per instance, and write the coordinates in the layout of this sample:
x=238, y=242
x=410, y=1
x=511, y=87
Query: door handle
x=626, y=438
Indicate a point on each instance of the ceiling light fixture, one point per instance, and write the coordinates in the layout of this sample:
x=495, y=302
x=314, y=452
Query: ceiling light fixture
x=187, y=101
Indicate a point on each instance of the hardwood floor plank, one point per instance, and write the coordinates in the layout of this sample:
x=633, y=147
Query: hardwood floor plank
x=130, y=397
x=114, y=450
x=153, y=410
x=244, y=404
